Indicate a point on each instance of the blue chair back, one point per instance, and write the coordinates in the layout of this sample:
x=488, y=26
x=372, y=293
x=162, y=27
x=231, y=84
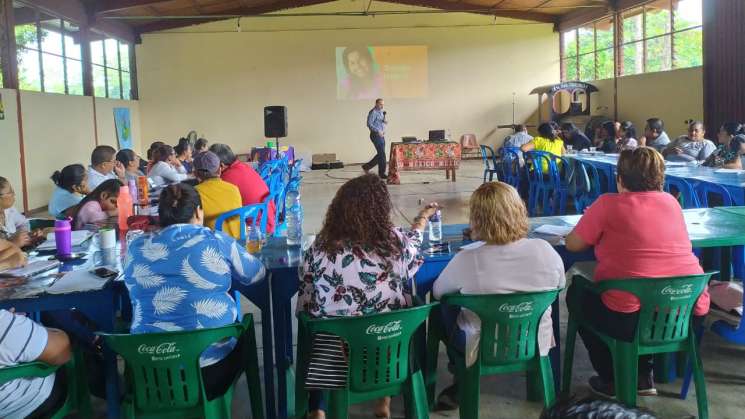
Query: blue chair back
x=510, y=166
x=488, y=157
x=688, y=197
x=588, y=186
x=704, y=189
x=256, y=212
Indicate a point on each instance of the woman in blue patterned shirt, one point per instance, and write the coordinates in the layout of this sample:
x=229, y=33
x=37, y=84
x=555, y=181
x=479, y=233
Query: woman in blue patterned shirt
x=179, y=279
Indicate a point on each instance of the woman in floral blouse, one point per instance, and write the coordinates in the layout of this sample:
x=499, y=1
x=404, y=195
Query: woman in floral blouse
x=359, y=264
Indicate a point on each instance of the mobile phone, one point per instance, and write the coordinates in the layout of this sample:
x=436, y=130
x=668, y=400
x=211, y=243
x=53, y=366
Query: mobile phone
x=105, y=273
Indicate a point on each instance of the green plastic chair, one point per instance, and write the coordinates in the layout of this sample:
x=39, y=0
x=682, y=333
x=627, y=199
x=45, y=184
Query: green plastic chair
x=78, y=395
x=163, y=377
x=380, y=356
x=664, y=326
x=508, y=343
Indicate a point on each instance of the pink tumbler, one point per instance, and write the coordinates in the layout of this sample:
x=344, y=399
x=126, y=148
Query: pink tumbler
x=63, y=237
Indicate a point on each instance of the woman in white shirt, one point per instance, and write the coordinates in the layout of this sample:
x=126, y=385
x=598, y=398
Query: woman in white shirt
x=505, y=261
x=166, y=168
x=13, y=225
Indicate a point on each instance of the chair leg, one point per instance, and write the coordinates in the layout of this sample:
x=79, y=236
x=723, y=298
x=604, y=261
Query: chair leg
x=547, y=381
x=485, y=172
x=433, y=349
x=469, y=389
x=252, y=374
x=339, y=404
x=415, y=397
x=698, y=377
x=625, y=372
x=566, y=383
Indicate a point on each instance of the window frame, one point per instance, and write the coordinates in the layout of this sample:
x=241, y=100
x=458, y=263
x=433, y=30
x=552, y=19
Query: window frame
x=617, y=19
x=118, y=69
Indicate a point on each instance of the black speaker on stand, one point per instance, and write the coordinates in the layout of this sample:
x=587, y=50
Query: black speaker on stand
x=275, y=123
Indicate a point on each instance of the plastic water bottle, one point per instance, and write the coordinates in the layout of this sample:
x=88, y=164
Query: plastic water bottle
x=125, y=206
x=63, y=237
x=294, y=218
x=435, y=227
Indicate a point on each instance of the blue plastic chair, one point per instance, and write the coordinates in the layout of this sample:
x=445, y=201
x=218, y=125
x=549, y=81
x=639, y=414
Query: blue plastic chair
x=490, y=162
x=704, y=189
x=256, y=212
x=510, y=166
x=543, y=182
x=565, y=172
x=688, y=195
x=588, y=186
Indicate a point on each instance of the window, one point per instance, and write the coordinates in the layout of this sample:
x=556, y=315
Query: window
x=48, y=51
x=111, y=75
x=588, y=51
x=661, y=35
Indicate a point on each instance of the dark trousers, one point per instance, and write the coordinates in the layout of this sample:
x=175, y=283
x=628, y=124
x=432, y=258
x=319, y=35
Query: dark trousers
x=56, y=398
x=621, y=326
x=219, y=376
x=379, y=159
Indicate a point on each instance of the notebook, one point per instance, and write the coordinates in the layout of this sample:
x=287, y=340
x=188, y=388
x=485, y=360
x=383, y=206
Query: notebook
x=32, y=269
x=78, y=238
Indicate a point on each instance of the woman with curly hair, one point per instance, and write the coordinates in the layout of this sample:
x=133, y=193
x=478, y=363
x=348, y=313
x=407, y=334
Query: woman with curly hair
x=359, y=264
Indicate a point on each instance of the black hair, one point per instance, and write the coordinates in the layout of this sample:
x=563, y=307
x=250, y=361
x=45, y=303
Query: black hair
x=177, y=204
x=362, y=51
x=568, y=126
x=610, y=129
x=696, y=123
x=519, y=127
x=126, y=156
x=183, y=145
x=629, y=129
x=594, y=408
x=224, y=152
x=162, y=153
x=154, y=146
x=4, y=182
x=102, y=154
x=111, y=186
x=733, y=128
x=200, y=145
x=69, y=177
x=546, y=130
x=656, y=124
x=736, y=143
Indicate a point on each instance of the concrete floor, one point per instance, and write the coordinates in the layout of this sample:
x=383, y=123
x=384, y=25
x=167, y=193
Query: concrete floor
x=504, y=396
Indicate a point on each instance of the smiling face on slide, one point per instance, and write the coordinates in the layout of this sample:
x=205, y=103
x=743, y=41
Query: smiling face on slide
x=358, y=65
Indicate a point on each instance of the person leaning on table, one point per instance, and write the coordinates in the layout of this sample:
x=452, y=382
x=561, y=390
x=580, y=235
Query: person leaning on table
x=655, y=245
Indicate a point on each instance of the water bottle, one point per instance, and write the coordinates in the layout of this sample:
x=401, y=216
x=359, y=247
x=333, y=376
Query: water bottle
x=63, y=237
x=294, y=218
x=435, y=227
x=125, y=206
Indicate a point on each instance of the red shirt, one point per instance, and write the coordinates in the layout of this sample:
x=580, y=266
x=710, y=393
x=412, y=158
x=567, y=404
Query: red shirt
x=638, y=235
x=252, y=187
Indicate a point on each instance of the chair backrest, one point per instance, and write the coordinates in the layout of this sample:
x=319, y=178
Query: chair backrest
x=488, y=157
x=509, y=323
x=27, y=370
x=256, y=212
x=689, y=199
x=666, y=305
x=540, y=164
x=468, y=141
x=164, y=367
x=511, y=165
x=378, y=344
x=705, y=189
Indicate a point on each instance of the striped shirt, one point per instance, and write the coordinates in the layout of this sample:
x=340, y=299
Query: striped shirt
x=21, y=341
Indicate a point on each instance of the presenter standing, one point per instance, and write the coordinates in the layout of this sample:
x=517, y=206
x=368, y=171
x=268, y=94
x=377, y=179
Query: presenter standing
x=376, y=124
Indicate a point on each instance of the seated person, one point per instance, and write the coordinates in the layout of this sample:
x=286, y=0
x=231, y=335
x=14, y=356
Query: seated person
x=655, y=245
x=71, y=187
x=184, y=151
x=166, y=167
x=131, y=163
x=691, y=147
x=180, y=277
x=574, y=137
x=357, y=242
x=724, y=156
x=26, y=341
x=594, y=408
x=498, y=217
x=252, y=187
x=217, y=196
x=200, y=146
x=655, y=135
x=98, y=207
x=607, y=138
x=627, y=136
x=519, y=138
x=13, y=225
x=151, y=155
x=104, y=166
x=737, y=149
x=11, y=256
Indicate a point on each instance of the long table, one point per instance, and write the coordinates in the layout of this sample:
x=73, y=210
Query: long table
x=707, y=228
x=694, y=174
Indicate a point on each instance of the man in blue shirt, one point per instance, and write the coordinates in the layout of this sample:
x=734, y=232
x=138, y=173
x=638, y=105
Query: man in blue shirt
x=376, y=124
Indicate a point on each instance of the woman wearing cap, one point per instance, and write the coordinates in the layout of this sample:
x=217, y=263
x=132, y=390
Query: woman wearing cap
x=218, y=196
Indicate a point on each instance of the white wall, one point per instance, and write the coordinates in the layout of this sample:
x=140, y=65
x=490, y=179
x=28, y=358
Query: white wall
x=10, y=157
x=215, y=80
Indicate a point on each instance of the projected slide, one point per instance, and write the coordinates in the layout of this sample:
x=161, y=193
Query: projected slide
x=387, y=72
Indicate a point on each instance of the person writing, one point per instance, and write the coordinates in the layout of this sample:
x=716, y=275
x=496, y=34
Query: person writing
x=574, y=137
x=691, y=147
x=376, y=123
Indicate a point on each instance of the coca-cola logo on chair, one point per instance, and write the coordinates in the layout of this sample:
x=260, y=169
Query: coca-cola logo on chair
x=385, y=331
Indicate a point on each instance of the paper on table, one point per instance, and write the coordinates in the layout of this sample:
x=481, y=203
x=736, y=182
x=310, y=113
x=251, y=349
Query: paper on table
x=77, y=281
x=472, y=245
x=730, y=171
x=78, y=237
x=554, y=230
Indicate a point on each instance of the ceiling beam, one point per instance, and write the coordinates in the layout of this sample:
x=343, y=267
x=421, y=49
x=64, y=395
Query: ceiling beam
x=457, y=7
x=108, y=6
x=75, y=11
x=581, y=17
x=163, y=25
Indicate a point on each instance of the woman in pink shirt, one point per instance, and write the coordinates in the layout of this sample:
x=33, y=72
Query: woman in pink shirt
x=97, y=207
x=654, y=244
